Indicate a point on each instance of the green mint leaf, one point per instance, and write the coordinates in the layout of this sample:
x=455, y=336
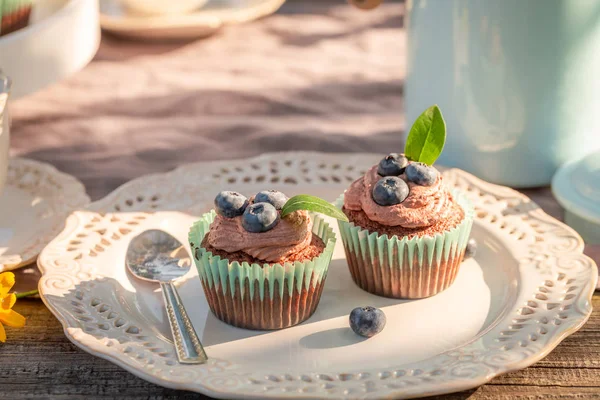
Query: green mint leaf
x=427, y=137
x=312, y=203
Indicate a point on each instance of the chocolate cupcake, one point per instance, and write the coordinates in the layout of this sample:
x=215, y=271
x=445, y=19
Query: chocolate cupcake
x=260, y=267
x=407, y=231
x=14, y=15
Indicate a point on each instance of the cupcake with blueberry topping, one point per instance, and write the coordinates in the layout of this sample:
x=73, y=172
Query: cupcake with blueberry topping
x=407, y=231
x=263, y=260
x=14, y=15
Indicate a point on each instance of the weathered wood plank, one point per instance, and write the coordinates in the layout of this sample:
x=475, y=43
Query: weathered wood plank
x=502, y=392
x=540, y=376
x=40, y=362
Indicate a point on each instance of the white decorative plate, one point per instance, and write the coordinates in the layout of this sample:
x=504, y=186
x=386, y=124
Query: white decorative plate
x=527, y=289
x=203, y=22
x=34, y=205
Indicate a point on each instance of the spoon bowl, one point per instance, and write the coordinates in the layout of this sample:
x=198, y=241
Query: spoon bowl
x=156, y=256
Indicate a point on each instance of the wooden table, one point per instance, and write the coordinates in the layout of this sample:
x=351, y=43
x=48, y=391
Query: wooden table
x=318, y=76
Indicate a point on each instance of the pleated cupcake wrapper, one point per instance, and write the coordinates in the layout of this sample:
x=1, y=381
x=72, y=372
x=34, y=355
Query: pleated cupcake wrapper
x=14, y=15
x=406, y=268
x=269, y=296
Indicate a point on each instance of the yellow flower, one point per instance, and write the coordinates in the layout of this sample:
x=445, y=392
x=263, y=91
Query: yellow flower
x=8, y=317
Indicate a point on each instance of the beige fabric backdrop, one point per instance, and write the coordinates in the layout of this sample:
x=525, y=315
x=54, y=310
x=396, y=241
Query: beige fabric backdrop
x=318, y=75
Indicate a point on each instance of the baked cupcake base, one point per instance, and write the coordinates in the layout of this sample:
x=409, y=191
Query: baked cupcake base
x=270, y=313
x=406, y=267
x=262, y=296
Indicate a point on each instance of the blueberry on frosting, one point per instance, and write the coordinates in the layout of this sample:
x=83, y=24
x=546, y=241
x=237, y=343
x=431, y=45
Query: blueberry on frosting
x=390, y=191
x=367, y=321
x=421, y=174
x=273, y=197
x=230, y=204
x=260, y=217
x=392, y=165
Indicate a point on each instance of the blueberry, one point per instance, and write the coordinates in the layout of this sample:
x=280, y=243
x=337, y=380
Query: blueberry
x=230, y=204
x=260, y=217
x=471, y=249
x=390, y=191
x=421, y=174
x=392, y=165
x=273, y=197
x=367, y=321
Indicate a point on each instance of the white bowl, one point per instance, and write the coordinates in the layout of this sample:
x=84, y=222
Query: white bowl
x=62, y=38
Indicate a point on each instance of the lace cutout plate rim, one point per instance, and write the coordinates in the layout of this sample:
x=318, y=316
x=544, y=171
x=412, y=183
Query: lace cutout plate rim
x=39, y=198
x=542, y=290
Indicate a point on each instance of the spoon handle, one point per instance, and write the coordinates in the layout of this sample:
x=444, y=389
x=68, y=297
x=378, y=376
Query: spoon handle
x=187, y=344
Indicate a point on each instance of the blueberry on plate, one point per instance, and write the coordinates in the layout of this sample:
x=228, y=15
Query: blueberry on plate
x=390, y=191
x=392, y=165
x=260, y=217
x=471, y=249
x=273, y=197
x=421, y=174
x=367, y=321
x=230, y=204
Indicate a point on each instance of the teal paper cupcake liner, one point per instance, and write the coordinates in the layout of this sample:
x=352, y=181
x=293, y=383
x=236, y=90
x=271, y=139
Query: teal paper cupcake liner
x=406, y=268
x=264, y=297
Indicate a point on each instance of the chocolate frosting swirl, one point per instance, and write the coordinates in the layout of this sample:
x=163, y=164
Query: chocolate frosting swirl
x=424, y=206
x=291, y=235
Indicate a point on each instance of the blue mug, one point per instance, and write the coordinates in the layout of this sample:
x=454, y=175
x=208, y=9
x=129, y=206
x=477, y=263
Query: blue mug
x=517, y=81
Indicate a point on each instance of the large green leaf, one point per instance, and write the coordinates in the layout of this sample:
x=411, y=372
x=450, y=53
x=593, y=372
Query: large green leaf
x=427, y=137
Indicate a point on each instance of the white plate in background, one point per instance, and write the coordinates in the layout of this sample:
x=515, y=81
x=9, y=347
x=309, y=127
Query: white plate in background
x=34, y=206
x=203, y=22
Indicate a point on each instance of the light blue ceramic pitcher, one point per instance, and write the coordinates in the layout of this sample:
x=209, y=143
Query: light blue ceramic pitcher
x=518, y=82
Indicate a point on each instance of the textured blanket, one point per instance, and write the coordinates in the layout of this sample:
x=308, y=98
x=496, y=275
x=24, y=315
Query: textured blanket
x=319, y=75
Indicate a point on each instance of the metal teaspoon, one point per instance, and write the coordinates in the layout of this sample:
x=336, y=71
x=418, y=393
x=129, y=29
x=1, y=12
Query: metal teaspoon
x=156, y=256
